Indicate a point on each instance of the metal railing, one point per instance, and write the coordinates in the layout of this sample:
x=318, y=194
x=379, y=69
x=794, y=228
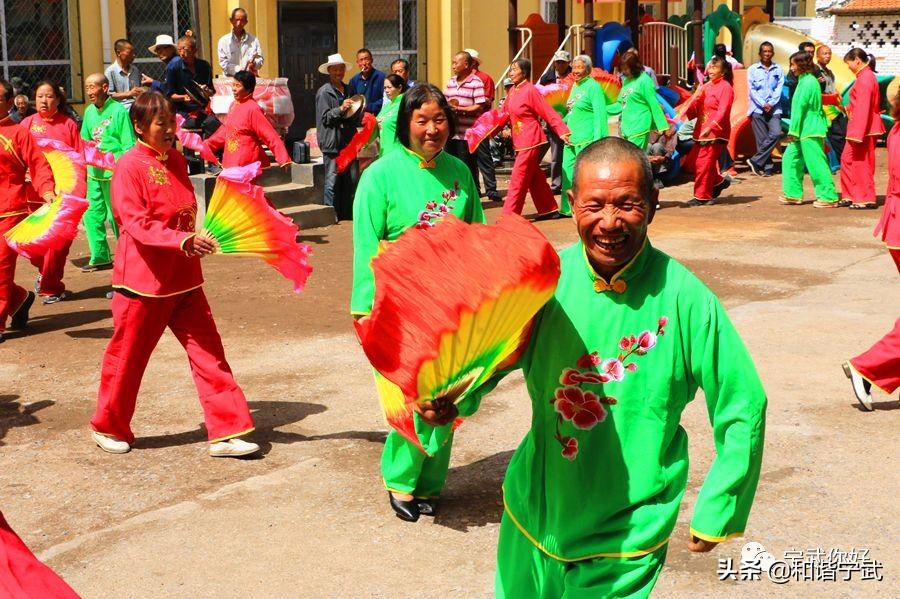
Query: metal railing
x=575, y=33
x=655, y=41
x=525, y=37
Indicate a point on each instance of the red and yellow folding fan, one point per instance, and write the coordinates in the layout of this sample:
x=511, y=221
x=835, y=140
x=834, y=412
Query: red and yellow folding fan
x=69, y=171
x=452, y=304
x=362, y=138
x=241, y=222
x=49, y=227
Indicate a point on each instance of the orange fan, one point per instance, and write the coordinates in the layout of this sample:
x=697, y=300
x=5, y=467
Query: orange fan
x=452, y=305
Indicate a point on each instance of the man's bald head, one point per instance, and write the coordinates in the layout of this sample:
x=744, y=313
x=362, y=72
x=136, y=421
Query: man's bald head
x=615, y=150
x=98, y=79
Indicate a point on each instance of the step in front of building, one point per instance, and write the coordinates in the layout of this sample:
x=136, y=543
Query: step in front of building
x=295, y=192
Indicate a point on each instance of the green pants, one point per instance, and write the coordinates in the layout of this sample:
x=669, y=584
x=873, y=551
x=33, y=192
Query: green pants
x=568, y=170
x=405, y=469
x=523, y=570
x=99, y=213
x=809, y=154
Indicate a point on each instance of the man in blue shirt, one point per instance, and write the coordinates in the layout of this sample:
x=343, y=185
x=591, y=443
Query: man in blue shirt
x=368, y=82
x=765, y=80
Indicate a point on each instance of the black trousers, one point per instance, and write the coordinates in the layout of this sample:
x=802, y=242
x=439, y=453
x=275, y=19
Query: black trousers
x=460, y=149
x=486, y=168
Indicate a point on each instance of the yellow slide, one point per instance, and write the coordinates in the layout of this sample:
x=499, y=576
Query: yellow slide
x=786, y=41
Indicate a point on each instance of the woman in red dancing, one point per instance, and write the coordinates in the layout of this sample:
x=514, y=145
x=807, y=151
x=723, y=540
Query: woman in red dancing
x=880, y=365
x=864, y=126
x=712, y=131
x=51, y=122
x=158, y=283
x=525, y=106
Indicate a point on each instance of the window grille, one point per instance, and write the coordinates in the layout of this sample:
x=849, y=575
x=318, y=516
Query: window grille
x=391, y=31
x=39, y=40
x=145, y=19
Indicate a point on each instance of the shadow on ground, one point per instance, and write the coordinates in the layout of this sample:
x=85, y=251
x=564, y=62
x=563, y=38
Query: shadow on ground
x=13, y=414
x=473, y=497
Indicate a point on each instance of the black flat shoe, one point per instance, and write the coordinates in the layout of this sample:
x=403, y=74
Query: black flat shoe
x=20, y=317
x=547, y=216
x=405, y=510
x=427, y=507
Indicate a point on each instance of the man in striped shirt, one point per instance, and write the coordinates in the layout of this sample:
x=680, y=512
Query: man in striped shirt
x=465, y=93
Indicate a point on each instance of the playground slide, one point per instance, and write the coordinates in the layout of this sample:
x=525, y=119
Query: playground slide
x=786, y=41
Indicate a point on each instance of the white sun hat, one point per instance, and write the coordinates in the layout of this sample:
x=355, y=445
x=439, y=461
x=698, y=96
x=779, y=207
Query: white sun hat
x=333, y=60
x=162, y=40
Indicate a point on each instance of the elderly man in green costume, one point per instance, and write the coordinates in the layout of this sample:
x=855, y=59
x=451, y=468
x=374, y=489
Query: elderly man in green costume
x=587, y=120
x=592, y=493
x=106, y=123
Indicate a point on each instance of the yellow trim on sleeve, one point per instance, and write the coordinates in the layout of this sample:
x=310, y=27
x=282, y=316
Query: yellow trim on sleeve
x=143, y=294
x=183, y=241
x=8, y=214
x=712, y=539
x=543, y=549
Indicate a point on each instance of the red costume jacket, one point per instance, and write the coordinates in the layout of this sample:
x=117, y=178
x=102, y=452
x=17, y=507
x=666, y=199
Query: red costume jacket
x=714, y=111
x=153, y=202
x=888, y=227
x=19, y=154
x=864, y=111
x=245, y=129
x=525, y=106
x=60, y=127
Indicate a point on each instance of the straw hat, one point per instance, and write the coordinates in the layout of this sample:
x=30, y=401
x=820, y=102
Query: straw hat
x=333, y=60
x=162, y=40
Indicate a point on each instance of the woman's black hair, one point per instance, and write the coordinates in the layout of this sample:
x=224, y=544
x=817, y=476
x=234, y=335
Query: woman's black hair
x=414, y=99
x=396, y=80
x=524, y=65
x=727, y=72
x=720, y=50
x=247, y=79
x=858, y=54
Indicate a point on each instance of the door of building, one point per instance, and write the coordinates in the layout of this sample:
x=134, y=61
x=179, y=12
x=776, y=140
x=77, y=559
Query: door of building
x=307, y=34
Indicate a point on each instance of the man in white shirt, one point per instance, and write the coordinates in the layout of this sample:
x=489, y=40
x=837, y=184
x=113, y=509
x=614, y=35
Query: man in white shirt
x=239, y=50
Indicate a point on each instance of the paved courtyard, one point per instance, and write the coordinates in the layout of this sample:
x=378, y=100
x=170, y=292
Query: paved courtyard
x=806, y=288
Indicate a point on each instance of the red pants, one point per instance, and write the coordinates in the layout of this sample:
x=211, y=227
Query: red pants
x=51, y=266
x=138, y=324
x=707, y=174
x=11, y=295
x=881, y=363
x=527, y=176
x=858, y=171
x=22, y=575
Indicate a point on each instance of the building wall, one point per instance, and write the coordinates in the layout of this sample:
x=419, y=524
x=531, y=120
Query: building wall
x=876, y=34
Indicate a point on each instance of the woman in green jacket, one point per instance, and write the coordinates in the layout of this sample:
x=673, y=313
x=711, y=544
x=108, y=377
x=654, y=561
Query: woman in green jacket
x=805, y=139
x=637, y=103
x=394, y=86
x=415, y=185
x=587, y=120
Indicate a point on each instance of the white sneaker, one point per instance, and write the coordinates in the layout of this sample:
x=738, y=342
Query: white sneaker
x=232, y=448
x=110, y=444
x=861, y=387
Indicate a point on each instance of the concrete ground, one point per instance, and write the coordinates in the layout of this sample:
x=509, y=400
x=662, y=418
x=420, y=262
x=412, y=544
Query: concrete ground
x=806, y=288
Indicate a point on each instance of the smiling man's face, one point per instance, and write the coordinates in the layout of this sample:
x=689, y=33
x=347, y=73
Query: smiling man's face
x=611, y=212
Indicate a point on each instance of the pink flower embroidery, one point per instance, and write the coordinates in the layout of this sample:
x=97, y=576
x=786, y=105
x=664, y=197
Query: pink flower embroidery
x=645, y=342
x=614, y=369
x=570, y=448
x=663, y=321
x=631, y=367
x=625, y=343
x=583, y=409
